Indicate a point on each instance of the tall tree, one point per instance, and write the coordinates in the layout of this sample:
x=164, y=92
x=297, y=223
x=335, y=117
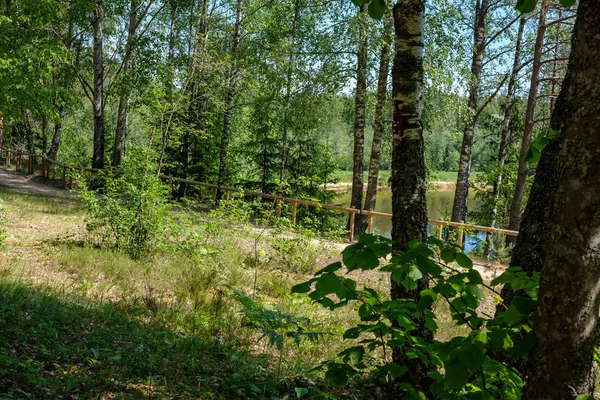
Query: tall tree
x=461, y=195
x=382, y=81
x=98, y=90
x=409, y=206
x=125, y=88
x=231, y=91
x=288, y=89
x=508, y=110
x=567, y=222
x=359, y=119
x=515, y=207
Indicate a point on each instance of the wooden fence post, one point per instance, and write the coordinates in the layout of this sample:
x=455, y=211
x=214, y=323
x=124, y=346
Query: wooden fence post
x=352, y=226
x=278, y=206
x=226, y=195
x=214, y=198
x=294, y=208
x=30, y=165
x=64, y=176
x=460, y=238
x=8, y=158
x=439, y=232
x=370, y=226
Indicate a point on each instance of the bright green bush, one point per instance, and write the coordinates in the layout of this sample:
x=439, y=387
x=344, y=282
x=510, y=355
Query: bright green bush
x=131, y=211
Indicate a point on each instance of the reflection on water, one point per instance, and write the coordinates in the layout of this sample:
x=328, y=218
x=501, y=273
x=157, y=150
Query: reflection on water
x=439, y=206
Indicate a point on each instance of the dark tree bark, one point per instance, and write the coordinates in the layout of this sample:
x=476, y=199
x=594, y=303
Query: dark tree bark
x=384, y=62
x=508, y=109
x=409, y=206
x=28, y=131
x=360, y=225
x=461, y=195
x=125, y=89
x=54, y=146
x=98, y=92
x=44, y=134
x=230, y=100
x=288, y=90
x=562, y=363
x=515, y=207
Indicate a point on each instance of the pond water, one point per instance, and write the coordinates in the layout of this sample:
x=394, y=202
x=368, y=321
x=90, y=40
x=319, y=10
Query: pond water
x=439, y=206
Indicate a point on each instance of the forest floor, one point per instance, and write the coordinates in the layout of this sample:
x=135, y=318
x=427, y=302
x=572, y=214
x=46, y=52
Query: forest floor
x=79, y=320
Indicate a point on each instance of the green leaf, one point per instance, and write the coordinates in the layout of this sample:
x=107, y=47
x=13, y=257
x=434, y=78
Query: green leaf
x=524, y=305
x=300, y=392
x=327, y=283
x=428, y=297
x=463, y=260
x=330, y=268
x=582, y=396
x=526, y=6
x=353, y=355
x=448, y=254
x=303, y=287
x=456, y=376
x=567, y=3
x=366, y=259
x=358, y=2
x=352, y=333
x=523, y=346
x=533, y=155
x=396, y=370
x=414, y=273
x=475, y=277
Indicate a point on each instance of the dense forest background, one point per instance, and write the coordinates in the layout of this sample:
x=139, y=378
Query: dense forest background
x=262, y=95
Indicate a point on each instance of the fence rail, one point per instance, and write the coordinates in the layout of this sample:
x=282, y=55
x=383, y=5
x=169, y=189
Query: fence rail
x=67, y=179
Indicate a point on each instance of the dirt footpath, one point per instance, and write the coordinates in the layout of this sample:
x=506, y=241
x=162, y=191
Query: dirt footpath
x=30, y=184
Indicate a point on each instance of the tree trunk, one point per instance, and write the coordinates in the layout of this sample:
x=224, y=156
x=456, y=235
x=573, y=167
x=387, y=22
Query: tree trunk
x=360, y=225
x=508, y=109
x=515, y=207
x=97, y=24
x=409, y=206
x=125, y=89
x=461, y=195
x=288, y=91
x=384, y=62
x=229, y=102
x=562, y=363
x=44, y=134
x=28, y=131
x=53, y=153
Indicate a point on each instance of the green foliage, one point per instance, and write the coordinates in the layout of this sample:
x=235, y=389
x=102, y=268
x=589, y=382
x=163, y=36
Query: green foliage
x=3, y=222
x=130, y=211
x=274, y=324
x=466, y=366
x=534, y=151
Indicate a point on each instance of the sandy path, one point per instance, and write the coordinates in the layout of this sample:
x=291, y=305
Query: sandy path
x=30, y=184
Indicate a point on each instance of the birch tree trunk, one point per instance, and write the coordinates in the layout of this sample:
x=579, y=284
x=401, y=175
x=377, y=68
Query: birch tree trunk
x=461, y=195
x=288, y=91
x=384, y=62
x=53, y=153
x=28, y=131
x=359, y=120
x=230, y=100
x=562, y=363
x=508, y=109
x=125, y=89
x=97, y=103
x=409, y=206
x=515, y=207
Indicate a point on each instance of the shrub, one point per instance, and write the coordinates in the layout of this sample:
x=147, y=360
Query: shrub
x=130, y=211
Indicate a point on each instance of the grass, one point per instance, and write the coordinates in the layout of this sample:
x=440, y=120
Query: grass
x=81, y=320
x=86, y=321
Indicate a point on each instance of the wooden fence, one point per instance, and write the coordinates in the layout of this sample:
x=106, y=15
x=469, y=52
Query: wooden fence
x=47, y=165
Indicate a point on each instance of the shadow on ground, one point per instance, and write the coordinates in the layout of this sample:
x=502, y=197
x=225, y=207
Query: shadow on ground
x=52, y=346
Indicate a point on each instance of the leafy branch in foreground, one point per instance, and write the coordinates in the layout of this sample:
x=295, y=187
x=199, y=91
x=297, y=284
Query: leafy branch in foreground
x=464, y=367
